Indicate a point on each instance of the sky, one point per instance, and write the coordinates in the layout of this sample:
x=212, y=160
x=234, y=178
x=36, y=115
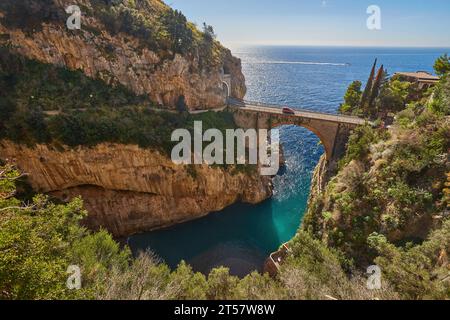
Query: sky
x=404, y=23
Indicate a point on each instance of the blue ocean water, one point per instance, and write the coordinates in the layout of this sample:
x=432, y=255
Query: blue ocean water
x=242, y=236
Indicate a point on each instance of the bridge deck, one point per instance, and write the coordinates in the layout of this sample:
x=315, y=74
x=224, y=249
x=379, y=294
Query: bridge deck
x=301, y=113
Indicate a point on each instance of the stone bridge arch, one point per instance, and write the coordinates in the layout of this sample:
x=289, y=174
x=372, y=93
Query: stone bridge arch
x=332, y=134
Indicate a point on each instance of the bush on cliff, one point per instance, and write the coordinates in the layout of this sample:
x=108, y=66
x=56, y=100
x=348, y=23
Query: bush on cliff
x=389, y=193
x=442, y=65
x=352, y=99
x=391, y=186
x=395, y=95
x=360, y=141
x=440, y=102
x=48, y=104
x=29, y=15
x=417, y=271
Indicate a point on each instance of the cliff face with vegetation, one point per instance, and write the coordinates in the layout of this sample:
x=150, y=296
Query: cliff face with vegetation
x=143, y=45
x=393, y=185
x=78, y=110
x=388, y=203
x=127, y=189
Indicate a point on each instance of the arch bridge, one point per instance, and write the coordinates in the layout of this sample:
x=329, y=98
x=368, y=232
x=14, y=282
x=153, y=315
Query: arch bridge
x=333, y=130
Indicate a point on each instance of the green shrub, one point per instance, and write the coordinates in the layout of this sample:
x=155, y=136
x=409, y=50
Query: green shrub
x=442, y=65
x=29, y=15
x=359, y=143
x=440, y=102
x=417, y=272
x=221, y=285
x=192, y=286
x=352, y=98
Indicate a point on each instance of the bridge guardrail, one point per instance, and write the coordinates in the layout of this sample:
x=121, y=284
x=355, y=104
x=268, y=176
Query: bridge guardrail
x=243, y=103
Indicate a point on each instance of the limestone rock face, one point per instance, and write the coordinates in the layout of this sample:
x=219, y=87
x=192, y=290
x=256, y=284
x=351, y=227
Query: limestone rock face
x=127, y=189
x=123, y=59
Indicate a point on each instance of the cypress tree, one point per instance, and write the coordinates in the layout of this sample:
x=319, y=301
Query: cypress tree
x=376, y=89
x=368, y=89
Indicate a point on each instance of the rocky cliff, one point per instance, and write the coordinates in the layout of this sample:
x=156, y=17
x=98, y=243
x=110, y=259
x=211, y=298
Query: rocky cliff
x=159, y=56
x=393, y=188
x=123, y=55
x=127, y=189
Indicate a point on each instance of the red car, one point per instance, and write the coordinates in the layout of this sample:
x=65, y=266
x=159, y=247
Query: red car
x=287, y=110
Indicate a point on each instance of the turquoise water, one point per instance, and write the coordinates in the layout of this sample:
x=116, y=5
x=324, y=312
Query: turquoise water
x=241, y=236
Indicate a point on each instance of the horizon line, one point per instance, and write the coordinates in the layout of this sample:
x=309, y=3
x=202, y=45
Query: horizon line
x=335, y=45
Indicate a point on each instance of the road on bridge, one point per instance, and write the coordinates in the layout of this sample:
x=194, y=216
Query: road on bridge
x=259, y=107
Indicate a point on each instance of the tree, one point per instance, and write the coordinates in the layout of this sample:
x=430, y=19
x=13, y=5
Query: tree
x=144, y=279
x=181, y=35
x=186, y=284
x=34, y=242
x=393, y=96
x=376, y=90
x=352, y=98
x=359, y=144
x=442, y=65
x=208, y=48
x=440, y=104
x=208, y=33
x=221, y=284
x=40, y=240
x=256, y=286
x=368, y=89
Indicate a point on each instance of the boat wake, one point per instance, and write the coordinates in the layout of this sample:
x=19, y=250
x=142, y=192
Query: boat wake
x=300, y=62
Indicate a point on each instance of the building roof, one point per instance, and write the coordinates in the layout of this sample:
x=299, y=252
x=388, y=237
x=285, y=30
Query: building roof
x=420, y=76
